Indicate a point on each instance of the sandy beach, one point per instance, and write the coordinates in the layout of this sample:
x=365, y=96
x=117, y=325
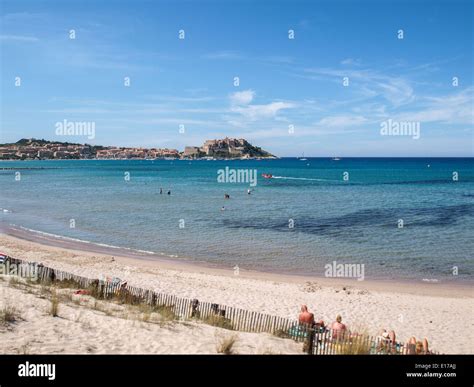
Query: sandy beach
x=85, y=326
x=441, y=313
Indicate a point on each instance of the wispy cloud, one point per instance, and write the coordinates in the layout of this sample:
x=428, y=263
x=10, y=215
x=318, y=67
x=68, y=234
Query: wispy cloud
x=342, y=121
x=241, y=104
x=454, y=108
x=351, y=62
x=18, y=17
x=394, y=89
x=255, y=112
x=18, y=38
x=223, y=55
x=172, y=98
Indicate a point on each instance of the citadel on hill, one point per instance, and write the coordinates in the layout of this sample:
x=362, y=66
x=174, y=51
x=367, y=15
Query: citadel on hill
x=34, y=149
x=226, y=148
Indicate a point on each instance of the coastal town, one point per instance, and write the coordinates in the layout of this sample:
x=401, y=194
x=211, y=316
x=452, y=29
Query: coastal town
x=34, y=149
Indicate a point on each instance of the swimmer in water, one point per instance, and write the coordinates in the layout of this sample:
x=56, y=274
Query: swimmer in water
x=223, y=208
x=169, y=192
x=249, y=191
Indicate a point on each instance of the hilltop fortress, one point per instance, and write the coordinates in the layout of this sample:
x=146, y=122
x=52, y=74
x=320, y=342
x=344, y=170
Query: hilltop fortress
x=225, y=149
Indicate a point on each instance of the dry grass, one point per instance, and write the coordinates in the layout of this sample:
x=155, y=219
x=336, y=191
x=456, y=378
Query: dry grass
x=68, y=283
x=164, y=312
x=24, y=349
x=94, y=291
x=45, y=291
x=356, y=345
x=146, y=317
x=15, y=282
x=8, y=315
x=33, y=282
x=281, y=333
x=225, y=345
x=218, y=321
x=100, y=307
x=54, y=310
x=145, y=311
x=125, y=297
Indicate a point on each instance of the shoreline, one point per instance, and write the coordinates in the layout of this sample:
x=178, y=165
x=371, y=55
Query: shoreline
x=434, y=311
x=135, y=257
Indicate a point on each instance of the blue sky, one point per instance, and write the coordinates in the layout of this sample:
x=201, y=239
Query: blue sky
x=283, y=81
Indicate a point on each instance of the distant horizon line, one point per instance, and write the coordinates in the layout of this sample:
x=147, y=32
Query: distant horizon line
x=263, y=159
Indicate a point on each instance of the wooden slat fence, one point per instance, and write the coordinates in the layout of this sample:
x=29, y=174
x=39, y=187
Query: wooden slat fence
x=221, y=315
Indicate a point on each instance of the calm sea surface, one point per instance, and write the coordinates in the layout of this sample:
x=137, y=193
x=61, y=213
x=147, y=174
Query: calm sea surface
x=353, y=221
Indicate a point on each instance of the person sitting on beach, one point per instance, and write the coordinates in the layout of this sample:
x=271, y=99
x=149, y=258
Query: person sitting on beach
x=416, y=347
x=411, y=346
x=388, y=337
x=392, y=337
x=386, y=341
x=426, y=350
x=320, y=324
x=338, y=328
x=305, y=317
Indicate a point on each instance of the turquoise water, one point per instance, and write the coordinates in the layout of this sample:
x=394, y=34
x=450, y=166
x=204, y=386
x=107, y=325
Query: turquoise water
x=354, y=221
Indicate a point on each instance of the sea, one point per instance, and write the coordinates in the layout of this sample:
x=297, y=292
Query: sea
x=401, y=218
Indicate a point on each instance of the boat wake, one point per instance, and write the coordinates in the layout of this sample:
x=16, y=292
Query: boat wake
x=299, y=178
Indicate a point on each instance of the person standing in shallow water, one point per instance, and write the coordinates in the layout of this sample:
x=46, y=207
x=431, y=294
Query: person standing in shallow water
x=161, y=191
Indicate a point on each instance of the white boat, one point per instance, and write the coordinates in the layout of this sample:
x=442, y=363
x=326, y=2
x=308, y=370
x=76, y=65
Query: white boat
x=302, y=158
x=336, y=158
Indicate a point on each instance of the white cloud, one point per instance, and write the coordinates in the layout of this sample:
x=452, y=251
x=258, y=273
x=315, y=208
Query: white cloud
x=241, y=104
x=255, y=112
x=342, y=121
x=242, y=97
x=350, y=62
